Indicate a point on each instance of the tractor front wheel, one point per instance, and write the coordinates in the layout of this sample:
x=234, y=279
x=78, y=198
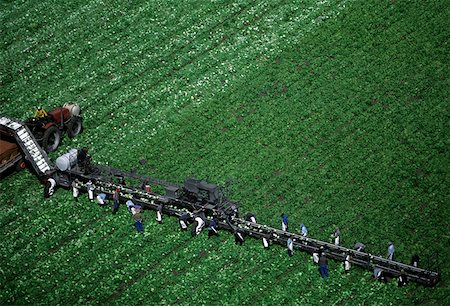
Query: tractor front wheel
x=51, y=139
x=74, y=127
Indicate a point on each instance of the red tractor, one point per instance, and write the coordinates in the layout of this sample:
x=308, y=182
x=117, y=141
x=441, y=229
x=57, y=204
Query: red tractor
x=48, y=129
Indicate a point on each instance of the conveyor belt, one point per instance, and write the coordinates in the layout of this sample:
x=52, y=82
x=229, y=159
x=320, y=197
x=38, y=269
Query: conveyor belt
x=176, y=207
x=28, y=144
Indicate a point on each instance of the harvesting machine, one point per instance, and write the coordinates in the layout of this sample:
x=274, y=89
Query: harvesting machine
x=195, y=198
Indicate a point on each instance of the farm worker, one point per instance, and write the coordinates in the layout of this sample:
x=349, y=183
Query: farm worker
x=323, y=266
x=130, y=205
x=238, y=237
x=136, y=209
x=359, y=247
x=402, y=279
x=304, y=230
x=183, y=221
x=82, y=156
x=212, y=231
x=284, y=222
x=159, y=213
x=347, y=263
x=265, y=242
x=290, y=247
x=250, y=217
x=415, y=260
x=138, y=223
x=90, y=189
x=101, y=199
x=40, y=113
x=235, y=211
x=146, y=187
x=197, y=226
x=337, y=236
x=391, y=250
x=121, y=180
x=378, y=273
x=49, y=188
x=315, y=257
x=76, y=189
x=116, y=197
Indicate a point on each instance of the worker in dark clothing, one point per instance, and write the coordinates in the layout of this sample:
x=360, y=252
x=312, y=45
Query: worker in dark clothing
x=82, y=155
x=238, y=237
x=323, y=266
x=183, y=220
x=316, y=255
x=402, y=279
x=359, y=247
x=284, y=222
x=379, y=274
x=250, y=217
x=121, y=180
x=212, y=228
x=146, y=187
x=138, y=223
x=49, y=188
x=415, y=260
x=116, y=197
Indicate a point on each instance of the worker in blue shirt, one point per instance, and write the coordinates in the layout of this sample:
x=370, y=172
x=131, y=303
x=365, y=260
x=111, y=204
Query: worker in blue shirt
x=101, y=199
x=130, y=205
x=284, y=222
x=212, y=230
x=304, y=230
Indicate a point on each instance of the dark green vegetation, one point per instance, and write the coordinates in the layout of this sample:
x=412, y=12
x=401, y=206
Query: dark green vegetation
x=335, y=112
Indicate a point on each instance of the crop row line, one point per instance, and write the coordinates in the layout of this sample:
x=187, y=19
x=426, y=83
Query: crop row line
x=142, y=274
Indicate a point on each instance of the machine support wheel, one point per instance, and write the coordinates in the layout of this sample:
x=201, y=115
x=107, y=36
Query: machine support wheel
x=20, y=165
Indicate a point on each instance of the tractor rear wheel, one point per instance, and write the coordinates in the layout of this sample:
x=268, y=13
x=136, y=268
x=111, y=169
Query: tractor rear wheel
x=74, y=127
x=51, y=139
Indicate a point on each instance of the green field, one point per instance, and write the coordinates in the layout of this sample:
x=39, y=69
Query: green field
x=333, y=111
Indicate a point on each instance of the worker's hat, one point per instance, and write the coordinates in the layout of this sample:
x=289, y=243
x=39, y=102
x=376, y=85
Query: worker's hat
x=39, y=107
